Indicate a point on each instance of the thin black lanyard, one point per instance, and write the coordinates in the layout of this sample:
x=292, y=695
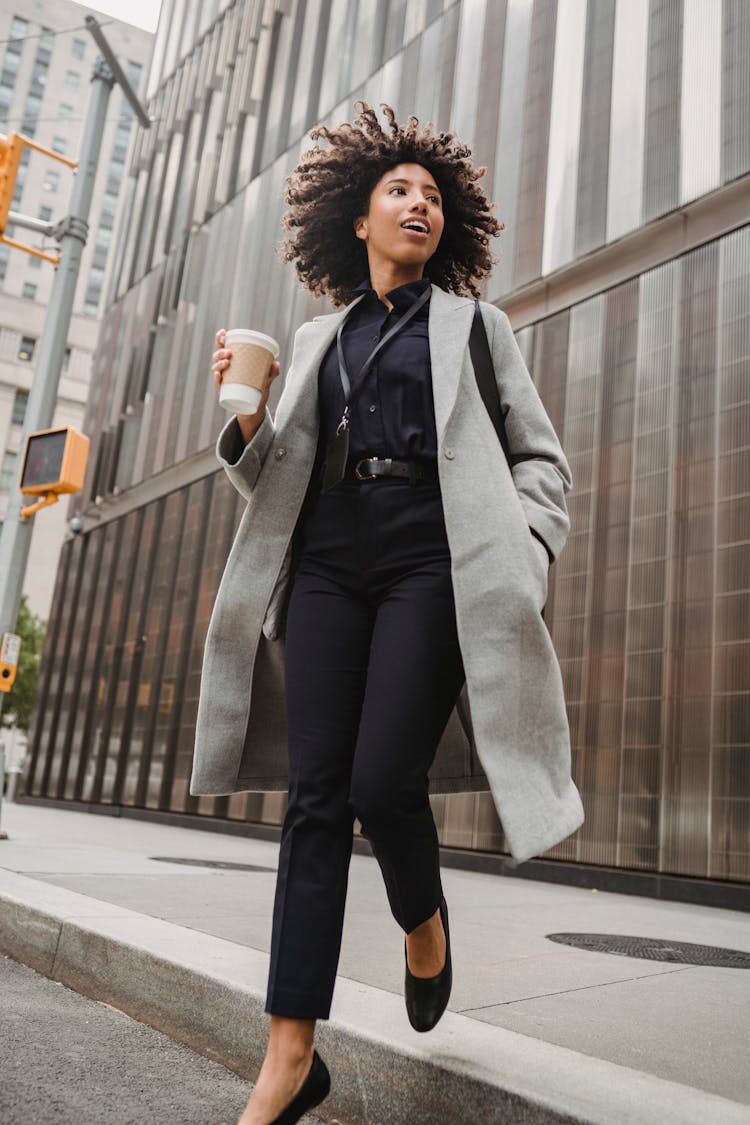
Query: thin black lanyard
x=338, y=448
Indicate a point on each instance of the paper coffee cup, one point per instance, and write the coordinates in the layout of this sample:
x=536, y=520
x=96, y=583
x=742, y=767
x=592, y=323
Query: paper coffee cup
x=246, y=378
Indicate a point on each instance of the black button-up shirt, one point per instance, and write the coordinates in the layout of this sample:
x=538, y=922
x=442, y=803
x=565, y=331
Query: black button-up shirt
x=394, y=414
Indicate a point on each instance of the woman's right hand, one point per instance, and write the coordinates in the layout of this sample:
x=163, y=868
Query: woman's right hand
x=249, y=423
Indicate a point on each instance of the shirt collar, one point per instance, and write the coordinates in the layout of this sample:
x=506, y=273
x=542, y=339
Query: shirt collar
x=402, y=296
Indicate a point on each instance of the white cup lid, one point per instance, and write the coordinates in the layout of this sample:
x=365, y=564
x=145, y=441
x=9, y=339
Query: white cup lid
x=250, y=336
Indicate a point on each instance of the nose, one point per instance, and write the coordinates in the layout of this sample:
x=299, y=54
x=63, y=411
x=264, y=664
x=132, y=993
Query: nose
x=419, y=205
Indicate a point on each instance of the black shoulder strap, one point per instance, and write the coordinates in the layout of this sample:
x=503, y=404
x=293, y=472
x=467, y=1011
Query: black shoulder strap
x=484, y=370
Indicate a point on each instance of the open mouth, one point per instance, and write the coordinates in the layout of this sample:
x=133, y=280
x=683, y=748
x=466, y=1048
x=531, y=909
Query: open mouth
x=417, y=227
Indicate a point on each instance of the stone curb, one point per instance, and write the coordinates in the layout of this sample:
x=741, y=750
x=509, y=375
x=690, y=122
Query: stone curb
x=209, y=994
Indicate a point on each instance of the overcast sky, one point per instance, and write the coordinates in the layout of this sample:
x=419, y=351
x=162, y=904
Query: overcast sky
x=142, y=13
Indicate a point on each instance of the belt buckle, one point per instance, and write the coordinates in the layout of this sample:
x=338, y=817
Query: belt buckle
x=365, y=476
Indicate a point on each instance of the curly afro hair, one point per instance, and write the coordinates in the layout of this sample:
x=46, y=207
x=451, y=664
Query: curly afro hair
x=331, y=187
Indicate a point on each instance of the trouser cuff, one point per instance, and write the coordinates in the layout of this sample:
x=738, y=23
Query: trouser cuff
x=295, y=1005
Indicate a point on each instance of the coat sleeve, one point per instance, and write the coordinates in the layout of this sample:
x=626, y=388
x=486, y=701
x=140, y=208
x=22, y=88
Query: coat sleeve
x=540, y=470
x=242, y=463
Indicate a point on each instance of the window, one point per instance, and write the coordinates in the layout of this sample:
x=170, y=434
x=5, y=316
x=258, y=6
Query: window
x=114, y=178
x=29, y=291
x=20, y=402
x=4, y=255
x=109, y=202
x=46, y=43
x=59, y=144
x=34, y=263
x=8, y=471
x=90, y=308
x=18, y=31
x=6, y=97
x=133, y=71
x=25, y=351
x=51, y=180
x=94, y=289
x=10, y=71
x=72, y=80
x=66, y=112
x=45, y=214
x=66, y=358
x=79, y=48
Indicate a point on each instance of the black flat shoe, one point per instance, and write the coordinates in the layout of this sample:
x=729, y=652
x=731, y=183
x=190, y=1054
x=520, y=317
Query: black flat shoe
x=312, y=1092
x=427, y=997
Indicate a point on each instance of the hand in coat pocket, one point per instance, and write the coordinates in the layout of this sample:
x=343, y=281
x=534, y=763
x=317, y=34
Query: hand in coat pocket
x=540, y=568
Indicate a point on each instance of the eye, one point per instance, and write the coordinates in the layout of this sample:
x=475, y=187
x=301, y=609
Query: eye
x=434, y=199
x=397, y=187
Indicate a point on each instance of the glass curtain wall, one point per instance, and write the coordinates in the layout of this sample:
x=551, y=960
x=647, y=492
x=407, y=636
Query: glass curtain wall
x=594, y=119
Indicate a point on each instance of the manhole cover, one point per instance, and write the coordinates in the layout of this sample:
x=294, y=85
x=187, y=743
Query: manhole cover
x=657, y=949
x=224, y=864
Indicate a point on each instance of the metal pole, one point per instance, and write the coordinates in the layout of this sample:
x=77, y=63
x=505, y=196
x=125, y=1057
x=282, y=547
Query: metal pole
x=3, y=835
x=15, y=538
x=29, y=223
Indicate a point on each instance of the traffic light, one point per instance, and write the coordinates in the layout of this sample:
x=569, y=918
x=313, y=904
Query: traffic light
x=11, y=148
x=54, y=461
x=10, y=647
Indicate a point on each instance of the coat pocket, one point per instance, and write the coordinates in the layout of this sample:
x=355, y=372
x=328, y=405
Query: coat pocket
x=539, y=570
x=273, y=623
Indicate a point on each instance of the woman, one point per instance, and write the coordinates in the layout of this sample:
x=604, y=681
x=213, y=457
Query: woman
x=386, y=538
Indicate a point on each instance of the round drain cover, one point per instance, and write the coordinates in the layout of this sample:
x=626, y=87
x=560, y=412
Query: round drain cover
x=223, y=864
x=657, y=949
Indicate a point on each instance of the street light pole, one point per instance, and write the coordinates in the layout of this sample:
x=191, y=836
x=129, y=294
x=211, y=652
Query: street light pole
x=15, y=535
x=16, y=532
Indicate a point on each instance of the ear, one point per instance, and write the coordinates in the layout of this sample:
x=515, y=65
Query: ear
x=360, y=227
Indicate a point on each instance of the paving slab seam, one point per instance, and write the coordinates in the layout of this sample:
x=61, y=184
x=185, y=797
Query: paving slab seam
x=209, y=994
x=569, y=991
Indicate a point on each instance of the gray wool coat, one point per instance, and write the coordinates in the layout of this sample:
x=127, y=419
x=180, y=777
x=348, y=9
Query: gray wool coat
x=512, y=731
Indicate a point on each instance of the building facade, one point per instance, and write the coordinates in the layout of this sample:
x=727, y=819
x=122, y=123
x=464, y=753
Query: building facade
x=617, y=142
x=46, y=62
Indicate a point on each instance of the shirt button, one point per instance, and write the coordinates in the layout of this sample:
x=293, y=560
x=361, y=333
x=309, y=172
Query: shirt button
x=280, y=454
x=373, y=409
x=449, y=454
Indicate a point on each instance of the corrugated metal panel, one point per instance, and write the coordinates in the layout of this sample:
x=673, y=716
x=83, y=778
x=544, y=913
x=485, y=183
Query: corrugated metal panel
x=564, y=135
x=700, y=96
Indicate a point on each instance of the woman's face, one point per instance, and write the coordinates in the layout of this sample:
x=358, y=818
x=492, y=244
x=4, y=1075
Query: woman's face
x=405, y=218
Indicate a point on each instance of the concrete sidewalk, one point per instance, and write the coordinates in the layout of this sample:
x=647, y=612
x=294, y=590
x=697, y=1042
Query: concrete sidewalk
x=124, y=911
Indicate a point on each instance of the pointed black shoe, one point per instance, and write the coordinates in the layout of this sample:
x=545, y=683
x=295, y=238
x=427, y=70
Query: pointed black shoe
x=312, y=1092
x=427, y=997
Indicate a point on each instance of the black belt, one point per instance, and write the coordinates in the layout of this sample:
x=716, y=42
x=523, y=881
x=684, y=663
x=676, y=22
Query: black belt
x=371, y=468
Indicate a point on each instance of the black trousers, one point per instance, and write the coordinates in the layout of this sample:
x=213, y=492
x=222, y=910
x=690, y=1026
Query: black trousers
x=373, y=671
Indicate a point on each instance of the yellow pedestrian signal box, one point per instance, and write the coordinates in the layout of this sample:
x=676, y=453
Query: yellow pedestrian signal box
x=9, y=652
x=54, y=462
x=11, y=148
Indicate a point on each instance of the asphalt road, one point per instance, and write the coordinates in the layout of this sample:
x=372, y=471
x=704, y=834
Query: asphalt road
x=68, y=1060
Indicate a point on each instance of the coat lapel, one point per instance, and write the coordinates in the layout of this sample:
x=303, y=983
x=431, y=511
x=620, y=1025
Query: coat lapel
x=300, y=398
x=449, y=325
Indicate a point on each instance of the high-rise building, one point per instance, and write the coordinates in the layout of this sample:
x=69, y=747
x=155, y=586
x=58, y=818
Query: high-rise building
x=617, y=141
x=46, y=62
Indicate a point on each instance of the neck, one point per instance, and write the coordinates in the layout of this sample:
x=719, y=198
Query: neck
x=385, y=276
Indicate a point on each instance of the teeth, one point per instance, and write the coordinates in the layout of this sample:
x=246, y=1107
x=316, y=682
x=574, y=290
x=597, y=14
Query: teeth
x=415, y=225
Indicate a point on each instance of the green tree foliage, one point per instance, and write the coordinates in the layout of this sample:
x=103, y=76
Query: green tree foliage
x=19, y=701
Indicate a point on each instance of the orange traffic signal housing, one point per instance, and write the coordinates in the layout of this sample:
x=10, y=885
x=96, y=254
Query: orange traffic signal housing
x=10, y=646
x=11, y=148
x=54, y=461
